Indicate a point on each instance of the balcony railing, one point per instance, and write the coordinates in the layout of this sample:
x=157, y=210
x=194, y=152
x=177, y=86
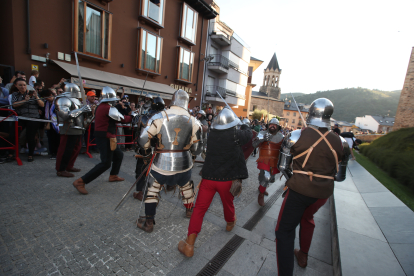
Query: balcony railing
x=236, y=67
x=219, y=60
x=212, y=90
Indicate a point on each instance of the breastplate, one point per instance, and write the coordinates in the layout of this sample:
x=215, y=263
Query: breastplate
x=176, y=132
x=270, y=150
x=77, y=122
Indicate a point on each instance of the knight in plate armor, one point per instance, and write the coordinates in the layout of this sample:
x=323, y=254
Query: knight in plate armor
x=106, y=117
x=269, y=143
x=143, y=156
x=71, y=116
x=310, y=159
x=224, y=167
x=175, y=135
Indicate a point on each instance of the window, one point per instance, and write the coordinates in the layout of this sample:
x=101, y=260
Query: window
x=254, y=107
x=189, y=24
x=287, y=120
x=287, y=114
x=294, y=114
x=149, y=51
x=293, y=121
x=154, y=11
x=92, y=30
x=185, y=64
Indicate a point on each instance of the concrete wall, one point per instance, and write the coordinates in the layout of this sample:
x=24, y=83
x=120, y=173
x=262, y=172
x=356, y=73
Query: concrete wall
x=405, y=111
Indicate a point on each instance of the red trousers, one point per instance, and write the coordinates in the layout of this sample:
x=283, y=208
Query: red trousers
x=296, y=209
x=208, y=189
x=68, y=151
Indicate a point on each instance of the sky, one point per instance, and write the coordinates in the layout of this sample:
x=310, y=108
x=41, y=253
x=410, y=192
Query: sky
x=327, y=44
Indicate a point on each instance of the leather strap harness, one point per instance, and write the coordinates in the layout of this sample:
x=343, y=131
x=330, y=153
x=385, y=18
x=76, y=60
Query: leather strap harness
x=308, y=153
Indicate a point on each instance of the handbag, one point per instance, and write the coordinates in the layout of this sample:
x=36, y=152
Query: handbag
x=113, y=143
x=236, y=187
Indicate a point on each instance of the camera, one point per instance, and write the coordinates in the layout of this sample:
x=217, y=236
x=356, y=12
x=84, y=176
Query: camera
x=127, y=103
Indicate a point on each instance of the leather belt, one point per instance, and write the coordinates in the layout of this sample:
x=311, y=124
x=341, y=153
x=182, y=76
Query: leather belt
x=311, y=174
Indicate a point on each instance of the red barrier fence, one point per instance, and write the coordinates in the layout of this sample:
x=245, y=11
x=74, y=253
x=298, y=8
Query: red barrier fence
x=12, y=146
x=91, y=143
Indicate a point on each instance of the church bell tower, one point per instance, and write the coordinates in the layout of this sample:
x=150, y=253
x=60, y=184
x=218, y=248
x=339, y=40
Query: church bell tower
x=271, y=79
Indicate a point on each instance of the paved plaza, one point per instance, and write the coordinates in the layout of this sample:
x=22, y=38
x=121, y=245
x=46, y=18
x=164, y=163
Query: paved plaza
x=48, y=228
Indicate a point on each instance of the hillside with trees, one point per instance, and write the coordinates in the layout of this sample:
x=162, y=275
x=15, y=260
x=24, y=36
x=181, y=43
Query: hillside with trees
x=353, y=102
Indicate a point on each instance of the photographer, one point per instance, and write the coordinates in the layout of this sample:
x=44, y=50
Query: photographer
x=27, y=103
x=124, y=108
x=352, y=142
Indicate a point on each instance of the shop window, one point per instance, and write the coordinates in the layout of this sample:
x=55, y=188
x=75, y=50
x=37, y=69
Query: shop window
x=92, y=31
x=189, y=24
x=185, y=65
x=152, y=11
x=149, y=52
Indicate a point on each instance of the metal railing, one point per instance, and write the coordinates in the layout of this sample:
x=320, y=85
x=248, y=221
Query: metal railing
x=219, y=60
x=212, y=90
x=236, y=67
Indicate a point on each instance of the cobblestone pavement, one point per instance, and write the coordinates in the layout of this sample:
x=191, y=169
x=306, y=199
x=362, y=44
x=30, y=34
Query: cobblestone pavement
x=48, y=228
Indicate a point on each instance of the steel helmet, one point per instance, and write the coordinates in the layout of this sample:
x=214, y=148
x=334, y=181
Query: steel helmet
x=158, y=104
x=225, y=119
x=181, y=99
x=108, y=95
x=320, y=113
x=274, y=121
x=73, y=89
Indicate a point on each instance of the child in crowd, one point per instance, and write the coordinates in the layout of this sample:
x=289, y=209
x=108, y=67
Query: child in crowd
x=32, y=80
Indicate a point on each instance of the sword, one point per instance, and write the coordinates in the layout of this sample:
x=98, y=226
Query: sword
x=227, y=104
x=304, y=122
x=146, y=182
x=139, y=177
x=80, y=78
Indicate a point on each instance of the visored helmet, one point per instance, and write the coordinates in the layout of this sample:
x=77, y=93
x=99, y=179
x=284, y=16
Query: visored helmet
x=320, y=113
x=225, y=119
x=181, y=99
x=73, y=89
x=158, y=104
x=108, y=95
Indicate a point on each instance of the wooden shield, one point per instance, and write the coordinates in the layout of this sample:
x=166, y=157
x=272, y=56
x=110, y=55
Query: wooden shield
x=248, y=147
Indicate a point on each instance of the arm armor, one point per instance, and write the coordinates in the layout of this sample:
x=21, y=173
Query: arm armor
x=258, y=140
x=64, y=105
x=341, y=174
x=285, y=157
x=114, y=114
x=197, y=147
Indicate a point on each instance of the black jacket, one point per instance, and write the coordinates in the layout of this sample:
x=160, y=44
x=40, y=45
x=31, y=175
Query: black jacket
x=224, y=157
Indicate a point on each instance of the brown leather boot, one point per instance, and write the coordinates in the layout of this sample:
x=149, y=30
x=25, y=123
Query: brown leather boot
x=146, y=224
x=265, y=193
x=230, y=225
x=188, y=212
x=138, y=195
x=260, y=199
x=65, y=174
x=301, y=257
x=115, y=178
x=73, y=169
x=187, y=247
x=80, y=186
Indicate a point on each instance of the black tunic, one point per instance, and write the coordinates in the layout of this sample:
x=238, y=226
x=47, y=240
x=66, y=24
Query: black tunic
x=224, y=156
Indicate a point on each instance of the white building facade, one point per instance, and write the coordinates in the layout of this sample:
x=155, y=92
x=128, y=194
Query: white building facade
x=380, y=124
x=227, y=60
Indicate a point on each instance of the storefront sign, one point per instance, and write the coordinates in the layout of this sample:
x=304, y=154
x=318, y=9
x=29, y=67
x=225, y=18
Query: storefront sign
x=186, y=89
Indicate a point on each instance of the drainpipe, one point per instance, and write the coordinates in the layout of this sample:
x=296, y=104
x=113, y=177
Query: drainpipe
x=205, y=64
x=199, y=53
x=28, y=51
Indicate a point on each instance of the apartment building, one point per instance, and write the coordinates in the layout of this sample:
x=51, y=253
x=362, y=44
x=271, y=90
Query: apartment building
x=119, y=43
x=226, y=72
